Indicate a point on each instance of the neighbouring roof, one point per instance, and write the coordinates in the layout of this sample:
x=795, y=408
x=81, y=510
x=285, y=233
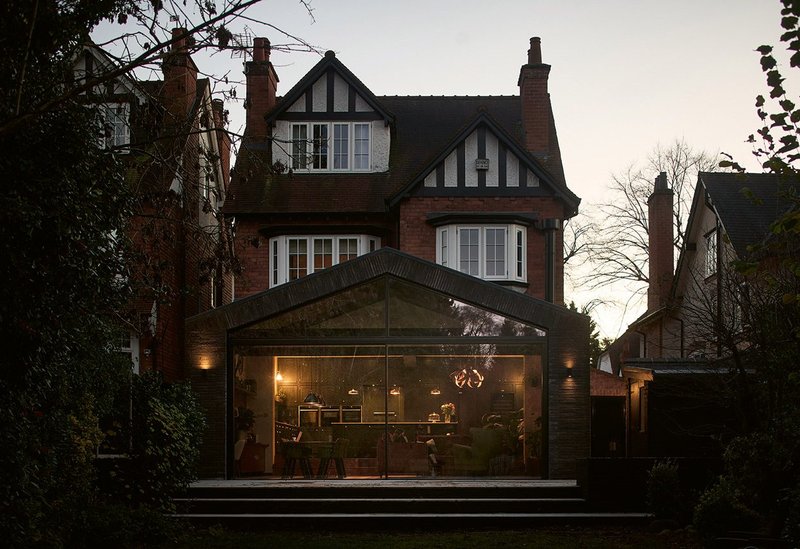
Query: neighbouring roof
x=668, y=366
x=747, y=203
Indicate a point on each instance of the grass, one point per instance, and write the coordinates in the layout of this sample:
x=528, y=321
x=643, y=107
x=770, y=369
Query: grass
x=551, y=538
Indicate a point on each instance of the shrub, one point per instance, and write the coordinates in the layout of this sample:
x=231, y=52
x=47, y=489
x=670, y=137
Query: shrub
x=720, y=510
x=664, y=496
x=117, y=525
x=165, y=433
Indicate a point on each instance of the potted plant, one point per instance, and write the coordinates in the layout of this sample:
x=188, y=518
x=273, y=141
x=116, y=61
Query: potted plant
x=533, y=441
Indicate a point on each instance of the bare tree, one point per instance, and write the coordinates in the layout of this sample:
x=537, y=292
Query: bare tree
x=618, y=245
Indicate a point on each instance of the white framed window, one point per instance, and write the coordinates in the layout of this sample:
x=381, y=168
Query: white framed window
x=330, y=146
x=323, y=253
x=361, y=146
x=341, y=149
x=443, y=253
x=491, y=252
x=116, y=130
x=293, y=257
x=711, y=253
x=320, y=132
x=298, y=258
x=299, y=146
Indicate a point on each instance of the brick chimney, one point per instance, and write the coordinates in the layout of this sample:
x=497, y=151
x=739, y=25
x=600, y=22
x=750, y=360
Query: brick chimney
x=660, y=229
x=180, y=79
x=224, y=141
x=535, y=99
x=262, y=84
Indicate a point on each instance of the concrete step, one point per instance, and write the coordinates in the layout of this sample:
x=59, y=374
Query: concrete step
x=391, y=505
x=414, y=521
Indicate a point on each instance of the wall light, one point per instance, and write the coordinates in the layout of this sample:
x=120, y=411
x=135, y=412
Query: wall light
x=569, y=372
x=436, y=391
x=278, y=377
x=352, y=391
x=394, y=391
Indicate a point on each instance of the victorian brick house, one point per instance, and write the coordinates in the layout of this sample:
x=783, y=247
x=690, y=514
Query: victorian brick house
x=401, y=257
x=667, y=356
x=169, y=135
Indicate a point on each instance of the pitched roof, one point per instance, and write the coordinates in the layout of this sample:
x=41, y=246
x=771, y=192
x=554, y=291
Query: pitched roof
x=747, y=203
x=423, y=128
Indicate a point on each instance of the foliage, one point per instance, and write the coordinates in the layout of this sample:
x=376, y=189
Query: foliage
x=166, y=429
x=664, y=497
x=64, y=277
x=597, y=345
x=761, y=464
x=720, y=510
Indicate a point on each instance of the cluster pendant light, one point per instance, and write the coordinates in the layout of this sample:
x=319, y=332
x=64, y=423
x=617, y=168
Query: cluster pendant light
x=467, y=377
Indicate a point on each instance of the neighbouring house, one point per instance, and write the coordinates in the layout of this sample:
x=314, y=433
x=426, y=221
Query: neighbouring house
x=672, y=357
x=170, y=136
x=402, y=286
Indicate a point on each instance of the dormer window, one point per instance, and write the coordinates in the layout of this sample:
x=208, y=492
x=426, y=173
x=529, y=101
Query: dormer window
x=330, y=146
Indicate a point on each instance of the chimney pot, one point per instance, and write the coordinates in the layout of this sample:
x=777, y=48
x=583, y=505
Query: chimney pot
x=261, y=47
x=535, y=53
x=661, y=182
x=179, y=44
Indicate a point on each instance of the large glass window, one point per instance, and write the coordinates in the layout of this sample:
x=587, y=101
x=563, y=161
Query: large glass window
x=397, y=380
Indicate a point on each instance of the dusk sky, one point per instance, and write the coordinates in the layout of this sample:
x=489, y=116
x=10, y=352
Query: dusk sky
x=626, y=75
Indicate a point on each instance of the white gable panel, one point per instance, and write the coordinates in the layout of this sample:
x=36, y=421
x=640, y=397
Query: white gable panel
x=470, y=154
x=299, y=105
x=320, y=91
x=280, y=143
x=361, y=105
x=340, y=92
x=492, y=175
x=381, y=142
x=451, y=170
x=512, y=169
x=430, y=180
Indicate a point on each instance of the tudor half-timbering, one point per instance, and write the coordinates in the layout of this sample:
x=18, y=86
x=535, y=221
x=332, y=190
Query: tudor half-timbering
x=336, y=334
x=471, y=183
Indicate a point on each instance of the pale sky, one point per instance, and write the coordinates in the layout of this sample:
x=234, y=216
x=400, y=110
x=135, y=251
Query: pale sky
x=626, y=74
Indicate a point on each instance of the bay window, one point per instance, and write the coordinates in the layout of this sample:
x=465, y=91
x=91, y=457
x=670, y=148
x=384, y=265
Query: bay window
x=334, y=146
x=293, y=257
x=491, y=252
